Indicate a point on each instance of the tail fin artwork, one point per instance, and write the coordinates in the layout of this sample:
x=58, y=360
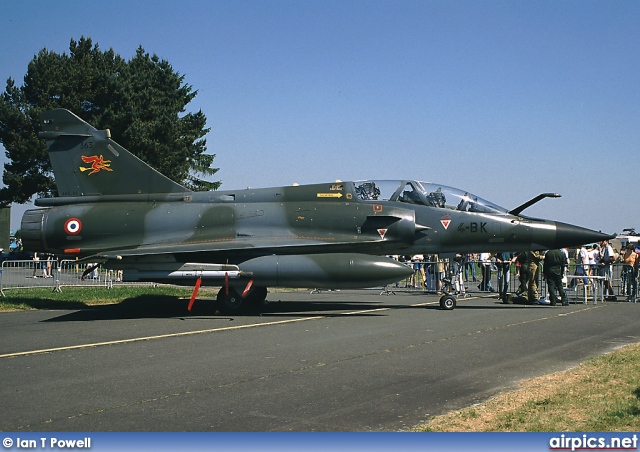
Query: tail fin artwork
x=87, y=162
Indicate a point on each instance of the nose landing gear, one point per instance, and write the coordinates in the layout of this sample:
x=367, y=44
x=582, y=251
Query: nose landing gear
x=447, y=302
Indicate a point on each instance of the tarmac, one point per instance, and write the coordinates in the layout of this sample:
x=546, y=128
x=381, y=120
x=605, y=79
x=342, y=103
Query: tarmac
x=353, y=360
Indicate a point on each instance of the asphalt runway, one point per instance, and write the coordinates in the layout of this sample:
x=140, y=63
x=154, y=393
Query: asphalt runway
x=334, y=361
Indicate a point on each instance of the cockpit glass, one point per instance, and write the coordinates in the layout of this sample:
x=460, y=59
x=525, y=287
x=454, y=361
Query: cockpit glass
x=424, y=193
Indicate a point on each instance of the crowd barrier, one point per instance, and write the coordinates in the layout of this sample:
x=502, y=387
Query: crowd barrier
x=55, y=274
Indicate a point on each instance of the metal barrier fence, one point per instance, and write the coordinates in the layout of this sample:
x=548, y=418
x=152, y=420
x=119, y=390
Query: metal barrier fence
x=55, y=275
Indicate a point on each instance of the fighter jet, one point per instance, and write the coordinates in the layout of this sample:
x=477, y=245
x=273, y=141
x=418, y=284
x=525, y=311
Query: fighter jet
x=111, y=208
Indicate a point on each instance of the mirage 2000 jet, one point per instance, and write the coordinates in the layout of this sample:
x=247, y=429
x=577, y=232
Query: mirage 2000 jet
x=114, y=209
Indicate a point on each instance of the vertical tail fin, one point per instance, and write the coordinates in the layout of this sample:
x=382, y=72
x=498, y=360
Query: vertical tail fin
x=86, y=161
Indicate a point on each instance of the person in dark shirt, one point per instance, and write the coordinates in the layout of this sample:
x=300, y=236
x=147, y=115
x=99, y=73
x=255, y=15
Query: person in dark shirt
x=553, y=269
x=503, y=262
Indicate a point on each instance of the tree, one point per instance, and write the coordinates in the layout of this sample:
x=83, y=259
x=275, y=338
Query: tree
x=142, y=101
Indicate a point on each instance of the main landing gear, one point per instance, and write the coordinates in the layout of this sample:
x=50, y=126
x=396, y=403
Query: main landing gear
x=230, y=300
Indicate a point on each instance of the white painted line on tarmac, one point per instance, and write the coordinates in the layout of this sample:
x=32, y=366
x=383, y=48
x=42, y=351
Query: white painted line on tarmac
x=188, y=333
x=214, y=330
x=160, y=336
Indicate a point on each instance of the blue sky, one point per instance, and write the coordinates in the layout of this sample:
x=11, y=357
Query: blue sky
x=505, y=99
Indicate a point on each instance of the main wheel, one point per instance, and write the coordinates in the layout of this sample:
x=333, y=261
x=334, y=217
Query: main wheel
x=229, y=303
x=447, y=302
x=257, y=297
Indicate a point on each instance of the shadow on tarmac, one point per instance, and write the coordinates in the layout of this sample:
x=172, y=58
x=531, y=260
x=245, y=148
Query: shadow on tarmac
x=147, y=307
x=154, y=306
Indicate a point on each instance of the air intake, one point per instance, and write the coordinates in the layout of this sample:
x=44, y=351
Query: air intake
x=31, y=230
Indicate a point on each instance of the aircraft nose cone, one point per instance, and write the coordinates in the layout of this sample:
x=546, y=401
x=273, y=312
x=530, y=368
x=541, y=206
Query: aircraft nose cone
x=570, y=235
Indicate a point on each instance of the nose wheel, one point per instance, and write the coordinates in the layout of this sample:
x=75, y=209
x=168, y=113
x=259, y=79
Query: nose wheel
x=447, y=302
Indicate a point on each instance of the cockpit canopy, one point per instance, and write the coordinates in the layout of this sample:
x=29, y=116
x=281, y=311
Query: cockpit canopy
x=426, y=194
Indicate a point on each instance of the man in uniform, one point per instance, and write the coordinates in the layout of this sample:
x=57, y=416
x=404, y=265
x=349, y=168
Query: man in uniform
x=554, y=264
x=533, y=260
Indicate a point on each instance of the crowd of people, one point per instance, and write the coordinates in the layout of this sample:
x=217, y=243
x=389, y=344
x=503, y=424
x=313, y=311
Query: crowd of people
x=594, y=262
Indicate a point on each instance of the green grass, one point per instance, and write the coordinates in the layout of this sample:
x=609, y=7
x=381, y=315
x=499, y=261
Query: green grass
x=80, y=297
x=602, y=394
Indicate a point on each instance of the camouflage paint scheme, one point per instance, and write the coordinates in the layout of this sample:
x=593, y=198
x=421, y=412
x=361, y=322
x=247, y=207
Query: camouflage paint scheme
x=116, y=210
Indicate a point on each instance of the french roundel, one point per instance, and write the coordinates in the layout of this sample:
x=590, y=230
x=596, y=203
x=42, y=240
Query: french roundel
x=72, y=226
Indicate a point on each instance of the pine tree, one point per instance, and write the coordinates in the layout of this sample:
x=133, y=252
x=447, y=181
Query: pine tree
x=142, y=101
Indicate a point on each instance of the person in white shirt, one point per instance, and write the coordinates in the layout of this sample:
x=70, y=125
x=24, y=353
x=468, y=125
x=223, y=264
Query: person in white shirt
x=565, y=251
x=596, y=259
x=591, y=257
